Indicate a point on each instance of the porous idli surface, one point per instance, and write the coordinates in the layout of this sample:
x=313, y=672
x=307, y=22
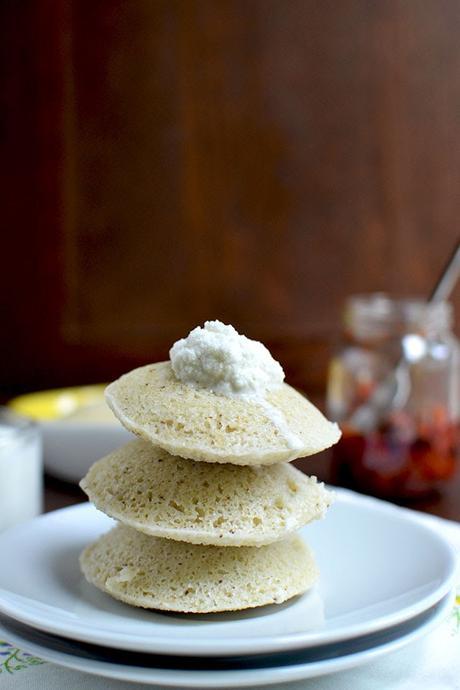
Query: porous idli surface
x=196, y=423
x=169, y=575
x=175, y=498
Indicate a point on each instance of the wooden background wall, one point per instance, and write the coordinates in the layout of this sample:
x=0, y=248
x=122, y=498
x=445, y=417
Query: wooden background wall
x=170, y=161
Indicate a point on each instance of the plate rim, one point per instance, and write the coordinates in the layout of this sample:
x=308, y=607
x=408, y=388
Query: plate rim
x=228, y=646
x=240, y=677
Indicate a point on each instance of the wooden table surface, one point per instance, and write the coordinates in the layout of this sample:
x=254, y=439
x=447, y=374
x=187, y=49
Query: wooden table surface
x=446, y=504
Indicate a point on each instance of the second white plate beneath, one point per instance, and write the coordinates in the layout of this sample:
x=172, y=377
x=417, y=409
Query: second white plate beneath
x=169, y=671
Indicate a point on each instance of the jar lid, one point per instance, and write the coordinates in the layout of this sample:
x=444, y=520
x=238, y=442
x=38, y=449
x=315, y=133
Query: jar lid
x=379, y=315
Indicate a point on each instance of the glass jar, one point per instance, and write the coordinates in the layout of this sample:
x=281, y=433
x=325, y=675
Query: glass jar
x=394, y=389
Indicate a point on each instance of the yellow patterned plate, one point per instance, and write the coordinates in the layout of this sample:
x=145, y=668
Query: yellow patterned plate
x=60, y=403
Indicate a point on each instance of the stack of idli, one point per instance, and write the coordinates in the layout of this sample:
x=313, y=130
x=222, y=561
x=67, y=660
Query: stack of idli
x=206, y=503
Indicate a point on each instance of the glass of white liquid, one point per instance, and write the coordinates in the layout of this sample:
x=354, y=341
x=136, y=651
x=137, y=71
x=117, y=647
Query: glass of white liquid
x=21, y=469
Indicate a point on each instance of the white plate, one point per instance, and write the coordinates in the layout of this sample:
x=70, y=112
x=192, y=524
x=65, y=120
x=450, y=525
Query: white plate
x=70, y=448
x=379, y=566
x=140, y=668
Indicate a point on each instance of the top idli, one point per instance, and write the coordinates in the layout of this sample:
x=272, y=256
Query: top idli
x=220, y=398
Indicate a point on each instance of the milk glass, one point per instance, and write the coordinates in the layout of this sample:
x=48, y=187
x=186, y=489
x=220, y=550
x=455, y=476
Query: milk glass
x=21, y=469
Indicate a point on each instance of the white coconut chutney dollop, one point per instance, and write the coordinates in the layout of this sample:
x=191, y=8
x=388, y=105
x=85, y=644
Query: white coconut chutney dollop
x=218, y=358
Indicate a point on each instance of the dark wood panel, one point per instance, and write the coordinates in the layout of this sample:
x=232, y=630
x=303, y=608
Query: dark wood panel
x=172, y=161
x=33, y=217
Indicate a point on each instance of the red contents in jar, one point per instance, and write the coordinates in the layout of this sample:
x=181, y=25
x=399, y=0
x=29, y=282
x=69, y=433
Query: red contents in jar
x=402, y=458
